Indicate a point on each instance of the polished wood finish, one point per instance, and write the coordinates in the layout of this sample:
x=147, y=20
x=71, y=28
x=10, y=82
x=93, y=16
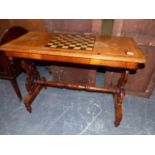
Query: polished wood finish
x=10, y=68
x=33, y=89
x=119, y=97
x=115, y=52
x=66, y=73
x=29, y=98
x=75, y=86
x=140, y=83
x=62, y=73
x=16, y=88
x=113, y=49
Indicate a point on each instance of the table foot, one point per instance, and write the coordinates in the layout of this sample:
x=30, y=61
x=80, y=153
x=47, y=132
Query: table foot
x=29, y=109
x=119, y=97
x=118, y=110
x=16, y=88
x=30, y=97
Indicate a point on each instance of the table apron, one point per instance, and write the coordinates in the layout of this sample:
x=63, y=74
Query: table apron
x=74, y=60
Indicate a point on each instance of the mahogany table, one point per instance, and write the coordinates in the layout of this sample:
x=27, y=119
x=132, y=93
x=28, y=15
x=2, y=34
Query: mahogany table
x=114, y=52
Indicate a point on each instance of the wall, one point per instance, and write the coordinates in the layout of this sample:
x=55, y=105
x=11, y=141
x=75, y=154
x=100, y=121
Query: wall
x=48, y=25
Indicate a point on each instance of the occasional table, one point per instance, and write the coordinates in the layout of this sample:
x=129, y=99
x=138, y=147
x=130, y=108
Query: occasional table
x=85, y=49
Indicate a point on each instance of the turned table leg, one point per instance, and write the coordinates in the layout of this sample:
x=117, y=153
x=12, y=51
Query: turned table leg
x=33, y=89
x=119, y=96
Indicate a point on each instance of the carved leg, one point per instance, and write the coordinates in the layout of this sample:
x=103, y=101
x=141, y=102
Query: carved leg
x=16, y=88
x=119, y=96
x=33, y=89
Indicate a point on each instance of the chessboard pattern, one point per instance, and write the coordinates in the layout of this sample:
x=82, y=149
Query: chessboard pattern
x=72, y=41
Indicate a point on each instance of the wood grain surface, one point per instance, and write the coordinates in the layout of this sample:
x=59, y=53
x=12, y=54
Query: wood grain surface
x=118, y=51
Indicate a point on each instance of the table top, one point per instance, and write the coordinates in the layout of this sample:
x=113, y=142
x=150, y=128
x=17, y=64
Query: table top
x=74, y=48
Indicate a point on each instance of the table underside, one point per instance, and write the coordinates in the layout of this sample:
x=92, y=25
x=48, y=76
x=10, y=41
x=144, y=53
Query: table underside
x=35, y=82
